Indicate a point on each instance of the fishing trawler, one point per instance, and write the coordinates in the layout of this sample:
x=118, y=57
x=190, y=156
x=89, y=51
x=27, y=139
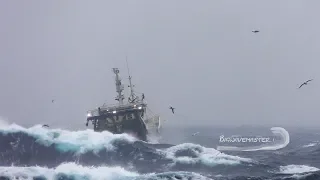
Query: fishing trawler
x=131, y=117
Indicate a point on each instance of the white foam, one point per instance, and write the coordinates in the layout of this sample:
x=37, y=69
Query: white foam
x=75, y=141
x=83, y=172
x=70, y=169
x=310, y=145
x=88, y=140
x=297, y=169
x=206, y=156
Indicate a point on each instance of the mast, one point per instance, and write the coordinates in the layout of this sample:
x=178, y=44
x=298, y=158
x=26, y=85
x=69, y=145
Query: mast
x=132, y=95
x=119, y=86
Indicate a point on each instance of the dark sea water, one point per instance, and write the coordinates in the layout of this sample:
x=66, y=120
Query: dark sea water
x=56, y=154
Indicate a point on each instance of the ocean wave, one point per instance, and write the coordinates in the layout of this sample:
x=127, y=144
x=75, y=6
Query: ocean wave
x=310, y=145
x=297, y=169
x=73, y=171
x=44, y=153
x=75, y=141
x=189, y=153
x=50, y=147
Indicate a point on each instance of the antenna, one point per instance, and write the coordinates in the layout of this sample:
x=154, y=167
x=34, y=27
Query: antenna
x=132, y=95
x=128, y=66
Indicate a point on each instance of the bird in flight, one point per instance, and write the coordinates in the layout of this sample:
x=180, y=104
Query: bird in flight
x=195, y=133
x=45, y=125
x=172, y=109
x=255, y=31
x=305, y=83
x=52, y=100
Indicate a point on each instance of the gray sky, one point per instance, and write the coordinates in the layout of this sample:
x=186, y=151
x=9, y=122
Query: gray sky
x=198, y=56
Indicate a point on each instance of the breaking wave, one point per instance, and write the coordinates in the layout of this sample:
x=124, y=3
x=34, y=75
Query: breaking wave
x=50, y=147
x=72, y=171
x=46, y=154
x=297, y=169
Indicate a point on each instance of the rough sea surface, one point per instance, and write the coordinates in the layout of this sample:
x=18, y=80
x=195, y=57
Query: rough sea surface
x=56, y=154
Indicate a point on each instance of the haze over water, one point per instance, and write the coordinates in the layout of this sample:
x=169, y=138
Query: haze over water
x=199, y=57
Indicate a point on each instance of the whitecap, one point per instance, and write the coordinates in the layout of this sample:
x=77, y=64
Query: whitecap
x=297, y=169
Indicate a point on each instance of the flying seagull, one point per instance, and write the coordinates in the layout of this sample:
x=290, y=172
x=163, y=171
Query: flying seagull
x=255, y=31
x=172, y=109
x=52, y=100
x=195, y=133
x=45, y=125
x=305, y=83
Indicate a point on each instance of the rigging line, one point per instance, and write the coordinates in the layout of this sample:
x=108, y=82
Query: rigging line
x=139, y=92
x=150, y=110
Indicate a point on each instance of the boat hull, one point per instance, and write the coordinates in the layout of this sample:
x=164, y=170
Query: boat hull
x=130, y=122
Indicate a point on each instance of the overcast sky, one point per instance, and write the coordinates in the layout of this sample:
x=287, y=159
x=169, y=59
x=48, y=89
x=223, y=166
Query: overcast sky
x=198, y=56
